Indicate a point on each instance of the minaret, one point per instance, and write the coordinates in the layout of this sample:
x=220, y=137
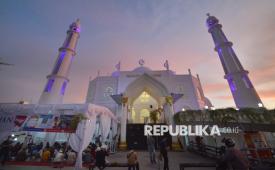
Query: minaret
x=241, y=87
x=58, y=79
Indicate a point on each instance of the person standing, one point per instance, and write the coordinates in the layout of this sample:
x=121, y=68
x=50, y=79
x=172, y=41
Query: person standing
x=101, y=154
x=164, y=153
x=233, y=157
x=151, y=149
x=132, y=160
x=4, y=153
x=114, y=144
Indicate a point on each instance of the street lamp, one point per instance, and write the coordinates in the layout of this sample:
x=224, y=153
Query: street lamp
x=260, y=104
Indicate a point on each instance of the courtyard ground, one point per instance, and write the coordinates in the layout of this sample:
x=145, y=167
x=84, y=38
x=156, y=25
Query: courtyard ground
x=175, y=158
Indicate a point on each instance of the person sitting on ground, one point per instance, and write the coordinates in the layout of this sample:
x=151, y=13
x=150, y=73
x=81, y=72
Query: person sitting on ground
x=15, y=149
x=71, y=156
x=51, y=149
x=87, y=158
x=46, y=154
x=59, y=157
x=47, y=145
x=39, y=146
x=233, y=157
x=37, y=151
x=132, y=160
x=21, y=155
x=93, y=152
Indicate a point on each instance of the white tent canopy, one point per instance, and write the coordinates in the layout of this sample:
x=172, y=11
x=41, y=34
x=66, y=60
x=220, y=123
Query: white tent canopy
x=85, y=130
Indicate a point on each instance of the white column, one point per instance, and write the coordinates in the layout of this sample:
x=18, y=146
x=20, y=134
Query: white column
x=169, y=109
x=123, y=124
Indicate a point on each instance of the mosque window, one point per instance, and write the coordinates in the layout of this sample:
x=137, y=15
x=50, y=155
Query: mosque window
x=232, y=84
x=108, y=92
x=49, y=85
x=63, y=88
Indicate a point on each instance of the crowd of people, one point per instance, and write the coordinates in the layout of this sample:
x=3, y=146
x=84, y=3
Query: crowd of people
x=97, y=152
x=57, y=153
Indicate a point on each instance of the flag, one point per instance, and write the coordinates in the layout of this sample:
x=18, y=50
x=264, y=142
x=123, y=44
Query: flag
x=98, y=73
x=166, y=65
x=118, y=66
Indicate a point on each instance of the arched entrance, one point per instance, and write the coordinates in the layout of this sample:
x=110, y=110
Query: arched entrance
x=141, y=108
x=145, y=94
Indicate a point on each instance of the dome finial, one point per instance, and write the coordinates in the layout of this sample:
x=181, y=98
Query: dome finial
x=141, y=62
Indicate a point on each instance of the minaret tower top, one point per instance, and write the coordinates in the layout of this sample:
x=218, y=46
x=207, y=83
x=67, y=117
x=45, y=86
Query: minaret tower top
x=58, y=79
x=240, y=85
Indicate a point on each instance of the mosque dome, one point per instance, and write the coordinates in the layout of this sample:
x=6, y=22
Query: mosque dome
x=142, y=69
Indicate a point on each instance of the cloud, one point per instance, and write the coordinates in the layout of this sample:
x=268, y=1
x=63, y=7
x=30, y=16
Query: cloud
x=264, y=73
x=224, y=97
x=267, y=94
x=215, y=87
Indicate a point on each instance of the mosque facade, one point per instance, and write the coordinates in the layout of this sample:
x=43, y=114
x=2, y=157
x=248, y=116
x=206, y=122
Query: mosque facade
x=133, y=94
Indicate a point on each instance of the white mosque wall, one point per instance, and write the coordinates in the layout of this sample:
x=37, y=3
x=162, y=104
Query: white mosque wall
x=103, y=86
x=184, y=84
x=99, y=92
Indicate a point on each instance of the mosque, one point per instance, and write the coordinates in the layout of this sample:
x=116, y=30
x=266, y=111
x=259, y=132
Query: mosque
x=132, y=94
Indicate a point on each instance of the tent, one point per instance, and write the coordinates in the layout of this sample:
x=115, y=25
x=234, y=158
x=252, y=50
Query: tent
x=57, y=118
x=86, y=128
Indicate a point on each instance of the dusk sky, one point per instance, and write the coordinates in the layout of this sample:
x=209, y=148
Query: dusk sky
x=128, y=30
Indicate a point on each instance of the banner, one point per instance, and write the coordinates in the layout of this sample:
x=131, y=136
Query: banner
x=50, y=123
x=38, y=123
x=7, y=122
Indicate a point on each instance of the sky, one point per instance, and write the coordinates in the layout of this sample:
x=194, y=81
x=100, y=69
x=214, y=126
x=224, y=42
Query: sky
x=128, y=30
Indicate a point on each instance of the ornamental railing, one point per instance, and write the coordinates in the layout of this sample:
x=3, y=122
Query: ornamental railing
x=246, y=115
x=265, y=157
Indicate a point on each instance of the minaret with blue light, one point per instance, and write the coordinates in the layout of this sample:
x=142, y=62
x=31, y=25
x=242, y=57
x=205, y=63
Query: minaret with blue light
x=58, y=80
x=242, y=89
